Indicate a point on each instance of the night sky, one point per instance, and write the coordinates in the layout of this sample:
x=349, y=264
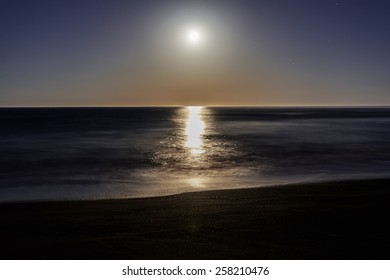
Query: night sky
x=263, y=52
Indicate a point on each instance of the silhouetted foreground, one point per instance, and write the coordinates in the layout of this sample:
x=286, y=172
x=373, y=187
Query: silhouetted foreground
x=340, y=220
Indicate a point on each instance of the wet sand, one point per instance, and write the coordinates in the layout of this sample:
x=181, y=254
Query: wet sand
x=337, y=220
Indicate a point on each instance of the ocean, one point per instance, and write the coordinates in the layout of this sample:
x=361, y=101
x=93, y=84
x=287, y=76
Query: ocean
x=102, y=153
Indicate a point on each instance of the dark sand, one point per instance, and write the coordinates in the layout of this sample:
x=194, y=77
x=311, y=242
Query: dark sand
x=340, y=220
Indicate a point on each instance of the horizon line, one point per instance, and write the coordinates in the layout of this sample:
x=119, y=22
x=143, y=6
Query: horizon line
x=209, y=106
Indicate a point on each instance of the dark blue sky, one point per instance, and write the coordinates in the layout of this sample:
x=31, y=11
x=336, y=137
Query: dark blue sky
x=270, y=52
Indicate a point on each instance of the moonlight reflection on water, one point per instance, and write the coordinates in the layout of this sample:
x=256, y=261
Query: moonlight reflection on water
x=194, y=130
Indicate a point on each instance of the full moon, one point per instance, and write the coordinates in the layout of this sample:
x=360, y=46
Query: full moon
x=193, y=36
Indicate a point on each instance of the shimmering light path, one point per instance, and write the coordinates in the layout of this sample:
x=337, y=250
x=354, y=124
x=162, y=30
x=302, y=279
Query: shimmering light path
x=194, y=130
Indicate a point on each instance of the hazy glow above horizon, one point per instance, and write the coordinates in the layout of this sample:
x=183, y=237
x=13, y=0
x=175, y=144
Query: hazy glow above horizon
x=140, y=53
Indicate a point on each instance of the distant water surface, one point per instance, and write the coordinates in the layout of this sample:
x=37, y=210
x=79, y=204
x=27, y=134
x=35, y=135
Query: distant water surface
x=97, y=153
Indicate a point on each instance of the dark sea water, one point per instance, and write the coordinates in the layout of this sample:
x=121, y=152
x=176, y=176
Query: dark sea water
x=96, y=153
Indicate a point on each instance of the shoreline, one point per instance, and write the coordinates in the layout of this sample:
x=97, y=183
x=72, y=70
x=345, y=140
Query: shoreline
x=295, y=184
x=324, y=220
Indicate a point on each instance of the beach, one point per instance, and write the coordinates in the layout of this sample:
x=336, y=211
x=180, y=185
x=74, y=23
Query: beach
x=329, y=220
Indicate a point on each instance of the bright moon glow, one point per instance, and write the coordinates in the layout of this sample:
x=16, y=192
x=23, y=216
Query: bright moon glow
x=194, y=36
